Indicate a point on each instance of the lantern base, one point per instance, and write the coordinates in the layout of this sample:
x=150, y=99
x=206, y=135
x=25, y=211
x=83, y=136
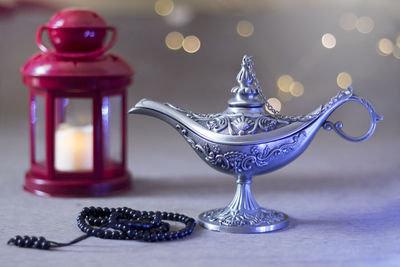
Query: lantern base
x=76, y=188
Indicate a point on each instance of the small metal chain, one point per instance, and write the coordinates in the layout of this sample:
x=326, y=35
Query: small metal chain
x=259, y=90
x=270, y=107
x=276, y=112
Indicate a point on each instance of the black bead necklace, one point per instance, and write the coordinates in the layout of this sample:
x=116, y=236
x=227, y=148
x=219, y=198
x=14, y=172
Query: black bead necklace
x=117, y=223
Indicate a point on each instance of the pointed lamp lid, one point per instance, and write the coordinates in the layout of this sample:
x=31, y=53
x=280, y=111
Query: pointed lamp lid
x=248, y=94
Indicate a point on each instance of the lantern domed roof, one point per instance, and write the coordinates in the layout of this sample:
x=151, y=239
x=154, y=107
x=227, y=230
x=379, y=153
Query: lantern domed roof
x=78, y=57
x=73, y=18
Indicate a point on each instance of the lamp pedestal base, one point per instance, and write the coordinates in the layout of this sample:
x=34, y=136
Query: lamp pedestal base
x=243, y=214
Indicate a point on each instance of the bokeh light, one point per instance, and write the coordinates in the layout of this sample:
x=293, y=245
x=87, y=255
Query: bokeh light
x=343, y=80
x=328, y=40
x=191, y=44
x=275, y=103
x=365, y=24
x=174, y=40
x=398, y=40
x=245, y=28
x=285, y=97
x=385, y=47
x=348, y=21
x=180, y=16
x=296, y=89
x=164, y=7
x=396, y=52
x=284, y=82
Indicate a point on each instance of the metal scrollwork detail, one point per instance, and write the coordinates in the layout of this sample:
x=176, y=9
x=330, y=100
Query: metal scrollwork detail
x=241, y=124
x=238, y=161
x=230, y=217
x=337, y=126
x=250, y=138
x=234, y=124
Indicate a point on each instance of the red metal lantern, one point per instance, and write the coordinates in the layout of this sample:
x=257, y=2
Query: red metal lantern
x=77, y=109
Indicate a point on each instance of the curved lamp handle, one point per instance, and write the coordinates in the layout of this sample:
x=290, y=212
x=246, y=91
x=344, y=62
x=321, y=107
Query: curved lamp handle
x=337, y=126
x=97, y=52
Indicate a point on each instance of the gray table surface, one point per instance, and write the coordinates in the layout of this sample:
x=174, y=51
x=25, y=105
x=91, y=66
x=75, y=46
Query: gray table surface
x=343, y=198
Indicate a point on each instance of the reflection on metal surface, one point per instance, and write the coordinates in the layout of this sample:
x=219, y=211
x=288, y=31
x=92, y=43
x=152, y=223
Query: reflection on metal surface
x=245, y=140
x=243, y=214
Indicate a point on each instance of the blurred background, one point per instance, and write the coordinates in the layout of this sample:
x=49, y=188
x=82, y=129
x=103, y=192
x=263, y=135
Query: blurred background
x=189, y=52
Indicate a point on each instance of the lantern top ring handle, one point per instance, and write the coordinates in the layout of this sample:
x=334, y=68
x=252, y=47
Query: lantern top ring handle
x=75, y=55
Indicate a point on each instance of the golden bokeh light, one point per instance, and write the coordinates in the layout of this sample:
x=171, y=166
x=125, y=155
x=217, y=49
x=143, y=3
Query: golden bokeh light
x=343, y=80
x=385, y=47
x=296, y=89
x=164, y=7
x=348, y=21
x=365, y=24
x=245, y=28
x=284, y=82
x=174, y=40
x=285, y=97
x=180, y=16
x=396, y=52
x=275, y=103
x=191, y=44
x=328, y=40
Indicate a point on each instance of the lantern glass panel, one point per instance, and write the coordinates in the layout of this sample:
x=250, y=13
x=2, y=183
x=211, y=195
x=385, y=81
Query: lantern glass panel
x=39, y=129
x=73, y=143
x=111, y=110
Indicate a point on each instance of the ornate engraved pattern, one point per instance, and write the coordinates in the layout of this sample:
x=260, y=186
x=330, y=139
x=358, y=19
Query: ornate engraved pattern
x=234, y=124
x=247, y=115
x=230, y=217
x=337, y=126
x=241, y=124
x=239, y=161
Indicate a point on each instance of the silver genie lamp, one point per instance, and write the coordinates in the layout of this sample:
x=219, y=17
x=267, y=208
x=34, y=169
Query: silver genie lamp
x=247, y=140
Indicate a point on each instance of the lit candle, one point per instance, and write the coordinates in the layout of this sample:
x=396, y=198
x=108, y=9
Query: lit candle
x=74, y=148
